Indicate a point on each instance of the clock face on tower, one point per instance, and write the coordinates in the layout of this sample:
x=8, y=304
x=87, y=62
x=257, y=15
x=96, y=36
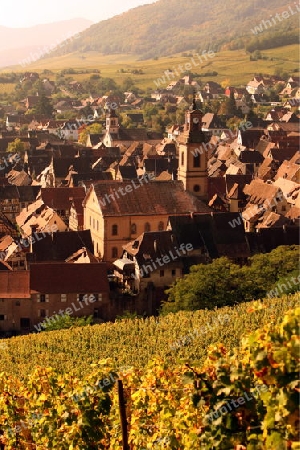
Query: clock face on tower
x=195, y=120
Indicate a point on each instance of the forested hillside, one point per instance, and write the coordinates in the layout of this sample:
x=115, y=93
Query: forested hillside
x=172, y=26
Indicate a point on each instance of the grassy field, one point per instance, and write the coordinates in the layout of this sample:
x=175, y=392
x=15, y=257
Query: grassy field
x=7, y=88
x=232, y=66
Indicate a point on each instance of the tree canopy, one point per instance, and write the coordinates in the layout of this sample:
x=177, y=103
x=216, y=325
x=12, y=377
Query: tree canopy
x=224, y=283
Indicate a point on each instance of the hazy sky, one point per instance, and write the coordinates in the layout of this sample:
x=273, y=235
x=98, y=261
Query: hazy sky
x=25, y=13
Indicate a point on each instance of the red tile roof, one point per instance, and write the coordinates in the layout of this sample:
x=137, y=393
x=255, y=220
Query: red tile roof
x=149, y=198
x=14, y=284
x=66, y=278
x=59, y=198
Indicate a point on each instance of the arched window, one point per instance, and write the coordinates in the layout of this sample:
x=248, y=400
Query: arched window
x=182, y=158
x=114, y=252
x=161, y=226
x=114, y=230
x=197, y=161
x=147, y=227
x=196, y=188
x=133, y=228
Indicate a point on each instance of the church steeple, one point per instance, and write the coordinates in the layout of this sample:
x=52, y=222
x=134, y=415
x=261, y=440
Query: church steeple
x=192, y=169
x=194, y=106
x=112, y=122
x=193, y=124
x=112, y=128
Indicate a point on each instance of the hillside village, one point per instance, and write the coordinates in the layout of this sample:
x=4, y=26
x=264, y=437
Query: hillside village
x=103, y=204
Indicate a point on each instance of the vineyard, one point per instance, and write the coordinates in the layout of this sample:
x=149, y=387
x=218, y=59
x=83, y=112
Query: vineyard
x=134, y=342
x=224, y=379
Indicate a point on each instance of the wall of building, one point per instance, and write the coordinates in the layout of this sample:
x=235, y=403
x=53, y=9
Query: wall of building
x=106, y=243
x=15, y=312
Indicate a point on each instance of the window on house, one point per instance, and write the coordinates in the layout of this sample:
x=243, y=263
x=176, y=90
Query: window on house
x=2, y=317
x=96, y=313
x=114, y=252
x=196, y=161
x=114, y=230
x=173, y=272
x=133, y=228
x=196, y=188
x=42, y=313
x=24, y=323
x=63, y=297
x=42, y=298
x=161, y=226
x=161, y=273
x=147, y=227
x=82, y=297
x=182, y=158
x=18, y=303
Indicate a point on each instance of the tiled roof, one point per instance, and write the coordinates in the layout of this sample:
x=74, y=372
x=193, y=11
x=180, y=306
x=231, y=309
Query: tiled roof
x=136, y=134
x=9, y=193
x=288, y=170
x=241, y=180
x=128, y=172
x=281, y=154
x=5, y=242
x=271, y=220
x=19, y=178
x=14, y=284
x=251, y=156
x=259, y=192
x=61, y=245
x=148, y=198
x=265, y=169
x=293, y=213
x=213, y=232
x=60, y=198
x=152, y=245
x=64, y=278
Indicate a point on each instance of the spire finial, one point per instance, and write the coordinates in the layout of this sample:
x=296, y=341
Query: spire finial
x=194, y=100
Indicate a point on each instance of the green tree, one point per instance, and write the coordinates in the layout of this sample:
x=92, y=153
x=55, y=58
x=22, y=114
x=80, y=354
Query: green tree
x=206, y=286
x=66, y=321
x=17, y=146
x=127, y=84
x=228, y=107
x=224, y=283
x=84, y=132
x=44, y=106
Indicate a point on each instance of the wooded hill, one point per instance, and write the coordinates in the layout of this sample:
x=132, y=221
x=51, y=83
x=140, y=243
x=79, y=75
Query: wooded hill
x=173, y=26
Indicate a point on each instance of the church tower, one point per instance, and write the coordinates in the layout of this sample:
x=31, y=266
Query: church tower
x=112, y=128
x=192, y=167
x=112, y=122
